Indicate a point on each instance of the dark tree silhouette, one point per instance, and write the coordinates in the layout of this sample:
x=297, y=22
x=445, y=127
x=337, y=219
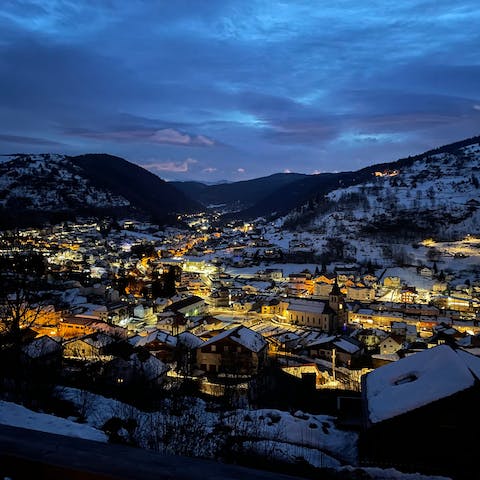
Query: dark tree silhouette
x=22, y=276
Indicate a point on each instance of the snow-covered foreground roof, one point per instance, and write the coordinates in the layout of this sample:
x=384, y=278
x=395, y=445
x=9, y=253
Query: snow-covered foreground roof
x=418, y=380
x=18, y=416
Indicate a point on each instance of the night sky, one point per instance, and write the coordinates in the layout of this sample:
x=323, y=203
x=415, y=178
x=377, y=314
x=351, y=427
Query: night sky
x=212, y=90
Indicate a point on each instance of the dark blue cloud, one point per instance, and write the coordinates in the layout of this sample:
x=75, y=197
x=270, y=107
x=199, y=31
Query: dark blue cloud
x=21, y=140
x=234, y=89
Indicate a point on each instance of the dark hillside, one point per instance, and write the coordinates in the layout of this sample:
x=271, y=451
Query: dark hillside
x=142, y=188
x=242, y=194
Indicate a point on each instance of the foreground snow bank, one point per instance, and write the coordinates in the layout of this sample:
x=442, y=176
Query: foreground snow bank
x=300, y=429
x=197, y=431
x=18, y=416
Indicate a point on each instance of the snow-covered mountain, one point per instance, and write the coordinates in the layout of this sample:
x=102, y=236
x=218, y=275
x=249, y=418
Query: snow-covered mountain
x=431, y=194
x=47, y=183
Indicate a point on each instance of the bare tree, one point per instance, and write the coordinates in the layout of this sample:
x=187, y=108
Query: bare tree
x=22, y=272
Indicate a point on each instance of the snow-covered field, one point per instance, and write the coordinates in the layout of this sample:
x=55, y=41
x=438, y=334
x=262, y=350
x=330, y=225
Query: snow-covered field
x=199, y=431
x=18, y=416
x=196, y=431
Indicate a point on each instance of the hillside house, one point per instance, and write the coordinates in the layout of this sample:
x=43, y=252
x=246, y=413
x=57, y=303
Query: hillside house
x=220, y=297
x=89, y=347
x=44, y=350
x=408, y=294
x=112, y=312
x=239, y=350
x=75, y=326
x=360, y=293
x=391, y=282
x=426, y=272
x=275, y=274
x=141, y=368
x=392, y=344
x=346, y=349
x=159, y=343
x=274, y=306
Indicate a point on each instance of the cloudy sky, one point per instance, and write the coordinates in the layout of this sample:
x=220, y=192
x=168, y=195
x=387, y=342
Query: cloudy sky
x=235, y=89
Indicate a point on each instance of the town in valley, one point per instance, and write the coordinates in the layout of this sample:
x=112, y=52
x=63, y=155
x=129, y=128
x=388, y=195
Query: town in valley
x=249, y=316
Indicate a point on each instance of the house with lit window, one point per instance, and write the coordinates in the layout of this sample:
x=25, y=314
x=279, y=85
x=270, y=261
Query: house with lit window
x=345, y=350
x=274, y=306
x=238, y=350
x=90, y=347
x=391, y=344
x=360, y=292
x=408, y=294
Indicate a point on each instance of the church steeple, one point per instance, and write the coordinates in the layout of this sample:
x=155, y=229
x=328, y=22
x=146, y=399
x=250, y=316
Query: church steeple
x=336, y=302
x=335, y=298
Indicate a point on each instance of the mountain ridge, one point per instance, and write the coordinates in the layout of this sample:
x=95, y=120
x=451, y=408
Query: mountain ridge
x=313, y=187
x=48, y=187
x=435, y=194
x=237, y=194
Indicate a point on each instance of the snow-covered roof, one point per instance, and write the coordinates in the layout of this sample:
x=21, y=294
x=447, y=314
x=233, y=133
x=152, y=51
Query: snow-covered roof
x=156, y=335
x=189, y=340
x=321, y=341
x=418, y=380
x=342, y=343
x=306, y=306
x=347, y=346
x=243, y=336
x=97, y=340
x=40, y=346
x=391, y=357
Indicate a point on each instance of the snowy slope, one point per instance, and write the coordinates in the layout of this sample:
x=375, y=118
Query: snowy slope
x=18, y=416
x=50, y=182
x=436, y=193
x=272, y=433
